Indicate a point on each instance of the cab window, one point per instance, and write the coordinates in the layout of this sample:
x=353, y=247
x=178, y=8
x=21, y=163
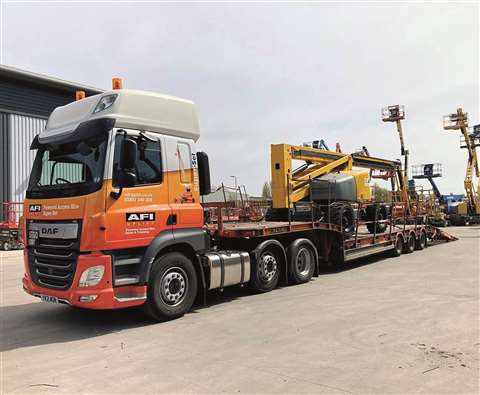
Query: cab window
x=148, y=167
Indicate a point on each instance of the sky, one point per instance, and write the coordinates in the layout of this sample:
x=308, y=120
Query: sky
x=263, y=73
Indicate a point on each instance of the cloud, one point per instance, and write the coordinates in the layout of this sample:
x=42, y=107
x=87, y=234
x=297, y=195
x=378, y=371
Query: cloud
x=270, y=73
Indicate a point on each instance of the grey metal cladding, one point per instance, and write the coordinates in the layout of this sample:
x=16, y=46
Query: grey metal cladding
x=29, y=99
x=4, y=159
x=22, y=130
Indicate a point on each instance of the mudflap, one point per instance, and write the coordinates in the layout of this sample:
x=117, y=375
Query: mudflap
x=435, y=233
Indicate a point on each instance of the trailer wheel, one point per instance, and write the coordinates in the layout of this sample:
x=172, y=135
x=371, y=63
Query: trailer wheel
x=172, y=287
x=409, y=245
x=421, y=241
x=266, y=269
x=397, y=251
x=6, y=245
x=302, y=260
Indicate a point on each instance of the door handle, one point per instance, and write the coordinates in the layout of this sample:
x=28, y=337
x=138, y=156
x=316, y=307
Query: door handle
x=172, y=219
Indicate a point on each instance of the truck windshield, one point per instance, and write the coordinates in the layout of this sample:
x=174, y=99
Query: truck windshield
x=71, y=169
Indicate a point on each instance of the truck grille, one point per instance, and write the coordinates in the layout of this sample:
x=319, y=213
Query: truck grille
x=53, y=262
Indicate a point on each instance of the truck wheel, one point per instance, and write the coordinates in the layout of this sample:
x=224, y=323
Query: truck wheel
x=421, y=241
x=172, y=287
x=397, y=251
x=409, y=245
x=302, y=259
x=266, y=270
x=6, y=245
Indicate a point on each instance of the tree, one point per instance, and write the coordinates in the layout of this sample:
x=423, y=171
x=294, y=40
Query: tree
x=267, y=190
x=381, y=194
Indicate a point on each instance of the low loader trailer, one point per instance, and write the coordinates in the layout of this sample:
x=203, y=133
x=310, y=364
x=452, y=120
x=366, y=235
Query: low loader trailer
x=113, y=215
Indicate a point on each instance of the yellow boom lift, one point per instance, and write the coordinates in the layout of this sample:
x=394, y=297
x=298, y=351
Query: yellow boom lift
x=330, y=180
x=396, y=113
x=468, y=211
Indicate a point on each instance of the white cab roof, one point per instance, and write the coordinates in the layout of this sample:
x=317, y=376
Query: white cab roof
x=132, y=109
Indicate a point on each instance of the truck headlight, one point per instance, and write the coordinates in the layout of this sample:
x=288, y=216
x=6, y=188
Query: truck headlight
x=91, y=276
x=104, y=103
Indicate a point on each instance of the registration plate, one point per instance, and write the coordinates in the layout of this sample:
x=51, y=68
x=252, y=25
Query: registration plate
x=49, y=299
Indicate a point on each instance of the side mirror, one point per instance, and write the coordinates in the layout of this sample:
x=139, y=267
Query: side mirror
x=128, y=154
x=128, y=157
x=203, y=173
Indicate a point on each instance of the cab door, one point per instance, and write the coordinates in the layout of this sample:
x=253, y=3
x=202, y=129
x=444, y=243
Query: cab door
x=141, y=212
x=183, y=184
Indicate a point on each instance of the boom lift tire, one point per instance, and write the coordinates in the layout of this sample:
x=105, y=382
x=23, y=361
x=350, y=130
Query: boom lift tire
x=397, y=251
x=409, y=245
x=172, y=287
x=266, y=269
x=341, y=213
x=302, y=260
x=382, y=214
x=421, y=242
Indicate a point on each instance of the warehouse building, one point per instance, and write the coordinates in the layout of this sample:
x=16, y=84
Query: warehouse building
x=26, y=101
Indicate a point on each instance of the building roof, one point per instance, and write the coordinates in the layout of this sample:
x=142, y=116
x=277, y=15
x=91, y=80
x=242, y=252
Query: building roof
x=41, y=79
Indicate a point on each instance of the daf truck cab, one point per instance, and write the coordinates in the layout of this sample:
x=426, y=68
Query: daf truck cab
x=115, y=185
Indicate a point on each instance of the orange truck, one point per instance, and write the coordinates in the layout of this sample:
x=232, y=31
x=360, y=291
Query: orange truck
x=113, y=215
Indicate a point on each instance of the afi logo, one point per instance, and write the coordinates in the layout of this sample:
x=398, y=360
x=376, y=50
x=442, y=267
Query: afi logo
x=131, y=217
x=35, y=208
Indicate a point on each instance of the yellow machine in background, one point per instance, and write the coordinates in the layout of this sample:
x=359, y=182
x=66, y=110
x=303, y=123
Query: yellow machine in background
x=467, y=212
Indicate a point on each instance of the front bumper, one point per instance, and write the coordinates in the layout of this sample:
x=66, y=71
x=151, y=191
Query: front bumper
x=106, y=296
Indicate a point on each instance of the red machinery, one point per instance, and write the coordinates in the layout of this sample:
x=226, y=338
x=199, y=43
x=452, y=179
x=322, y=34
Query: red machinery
x=10, y=225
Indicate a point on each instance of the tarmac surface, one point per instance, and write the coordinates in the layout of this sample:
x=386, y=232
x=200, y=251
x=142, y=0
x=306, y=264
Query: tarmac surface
x=381, y=325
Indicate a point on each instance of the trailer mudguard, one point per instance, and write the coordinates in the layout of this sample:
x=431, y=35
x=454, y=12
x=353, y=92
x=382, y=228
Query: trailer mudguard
x=196, y=238
x=266, y=243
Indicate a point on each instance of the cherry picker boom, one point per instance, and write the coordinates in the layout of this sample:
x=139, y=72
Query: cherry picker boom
x=467, y=212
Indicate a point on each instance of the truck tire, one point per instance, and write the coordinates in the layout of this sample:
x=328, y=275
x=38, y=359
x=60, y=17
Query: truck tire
x=6, y=245
x=302, y=260
x=172, y=287
x=409, y=245
x=342, y=214
x=398, y=248
x=266, y=269
x=421, y=242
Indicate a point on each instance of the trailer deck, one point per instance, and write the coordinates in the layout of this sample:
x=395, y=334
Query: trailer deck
x=360, y=244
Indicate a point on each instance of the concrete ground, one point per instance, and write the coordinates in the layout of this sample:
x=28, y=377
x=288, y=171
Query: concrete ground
x=385, y=325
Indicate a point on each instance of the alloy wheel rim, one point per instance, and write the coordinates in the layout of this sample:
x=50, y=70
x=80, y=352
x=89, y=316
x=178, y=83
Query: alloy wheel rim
x=267, y=267
x=173, y=286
